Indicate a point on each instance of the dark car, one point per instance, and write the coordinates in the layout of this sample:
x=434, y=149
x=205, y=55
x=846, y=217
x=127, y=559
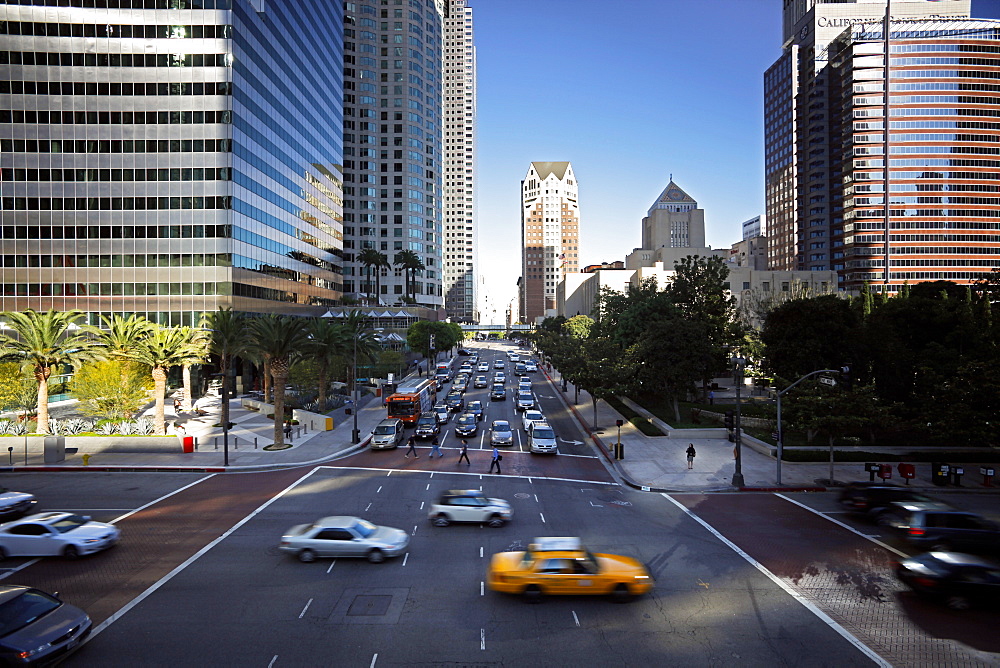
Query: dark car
x=37, y=628
x=476, y=408
x=454, y=402
x=871, y=499
x=941, y=528
x=498, y=393
x=958, y=580
x=427, y=426
x=464, y=352
x=15, y=504
x=466, y=425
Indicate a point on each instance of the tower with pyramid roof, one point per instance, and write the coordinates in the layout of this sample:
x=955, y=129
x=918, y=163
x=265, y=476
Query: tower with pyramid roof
x=673, y=221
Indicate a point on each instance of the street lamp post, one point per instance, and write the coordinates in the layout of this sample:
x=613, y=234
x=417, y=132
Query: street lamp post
x=739, y=363
x=781, y=435
x=355, y=434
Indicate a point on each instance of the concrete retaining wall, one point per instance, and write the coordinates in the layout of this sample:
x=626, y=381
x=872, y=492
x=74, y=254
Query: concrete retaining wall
x=90, y=444
x=315, y=421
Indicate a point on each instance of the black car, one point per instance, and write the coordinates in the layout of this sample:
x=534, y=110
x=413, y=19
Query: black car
x=427, y=426
x=871, y=499
x=37, y=628
x=454, y=402
x=15, y=504
x=498, y=393
x=466, y=425
x=958, y=580
x=464, y=352
x=941, y=528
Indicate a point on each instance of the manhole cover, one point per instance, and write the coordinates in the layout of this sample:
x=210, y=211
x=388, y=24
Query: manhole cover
x=522, y=495
x=369, y=605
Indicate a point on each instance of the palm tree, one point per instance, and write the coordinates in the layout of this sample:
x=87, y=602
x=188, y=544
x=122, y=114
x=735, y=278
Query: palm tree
x=373, y=260
x=329, y=342
x=200, y=341
x=280, y=339
x=228, y=338
x=409, y=262
x=164, y=348
x=119, y=334
x=44, y=341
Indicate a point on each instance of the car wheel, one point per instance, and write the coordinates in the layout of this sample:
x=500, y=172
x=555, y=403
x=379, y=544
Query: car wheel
x=883, y=520
x=376, y=556
x=441, y=520
x=70, y=552
x=621, y=594
x=495, y=522
x=957, y=602
x=533, y=594
x=307, y=556
x=940, y=546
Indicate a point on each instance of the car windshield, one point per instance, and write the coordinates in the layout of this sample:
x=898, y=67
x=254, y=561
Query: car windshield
x=466, y=419
x=384, y=430
x=543, y=433
x=68, y=523
x=476, y=405
x=18, y=612
x=429, y=420
x=364, y=528
x=501, y=426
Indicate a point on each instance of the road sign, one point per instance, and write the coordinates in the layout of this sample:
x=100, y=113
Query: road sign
x=827, y=381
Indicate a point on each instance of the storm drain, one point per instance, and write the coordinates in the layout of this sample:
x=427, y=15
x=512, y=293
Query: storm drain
x=369, y=606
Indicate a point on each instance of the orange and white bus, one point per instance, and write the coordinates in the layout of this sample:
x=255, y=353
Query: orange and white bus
x=411, y=399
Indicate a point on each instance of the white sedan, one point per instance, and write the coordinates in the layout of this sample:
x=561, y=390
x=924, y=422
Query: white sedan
x=344, y=536
x=51, y=534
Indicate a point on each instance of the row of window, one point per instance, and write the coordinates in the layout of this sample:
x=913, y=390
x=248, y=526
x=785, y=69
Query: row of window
x=971, y=176
x=928, y=225
x=927, y=162
x=907, y=125
x=46, y=232
x=87, y=175
x=870, y=201
x=928, y=111
x=114, y=289
x=113, y=203
x=927, y=136
x=140, y=260
x=114, y=88
x=65, y=59
x=927, y=99
x=899, y=62
x=929, y=250
x=116, y=145
x=917, y=262
x=918, y=48
x=915, y=275
x=966, y=238
x=108, y=30
x=127, y=4
x=944, y=213
x=48, y=117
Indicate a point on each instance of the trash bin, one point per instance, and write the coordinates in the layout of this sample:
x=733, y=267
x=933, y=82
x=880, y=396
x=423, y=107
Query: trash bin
x=188, y=442
x=939, y=473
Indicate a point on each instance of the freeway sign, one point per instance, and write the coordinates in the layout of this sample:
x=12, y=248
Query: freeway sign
x=827, y=381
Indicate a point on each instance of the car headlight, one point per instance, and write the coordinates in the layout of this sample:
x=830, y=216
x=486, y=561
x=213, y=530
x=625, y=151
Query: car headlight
x=641, y=577
x=92, y=540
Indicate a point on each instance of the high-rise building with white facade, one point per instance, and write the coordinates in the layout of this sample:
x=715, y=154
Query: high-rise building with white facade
x=461, y=290
x=550, y=235
x=393, y=155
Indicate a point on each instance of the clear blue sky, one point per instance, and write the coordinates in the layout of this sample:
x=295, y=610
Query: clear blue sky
x=629, y=97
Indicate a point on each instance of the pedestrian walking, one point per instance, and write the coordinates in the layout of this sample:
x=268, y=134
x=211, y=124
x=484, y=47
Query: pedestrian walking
x=412, y=443
x=711, y=397
x=690, y=455
x=496, y=460
x=288, y=429
x=464, y=453
x=436, y=447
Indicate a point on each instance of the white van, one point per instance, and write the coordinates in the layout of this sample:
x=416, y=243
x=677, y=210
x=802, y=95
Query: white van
x=388, y=434
x=541, y=438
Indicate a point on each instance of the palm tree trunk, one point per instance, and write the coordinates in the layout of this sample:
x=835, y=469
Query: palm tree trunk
x=267, y=381
x=324, y=375
x=279, y=368
x=378, y=285
x=159, y=389
x=186, y=374
x=224, y=368
x=42, y=423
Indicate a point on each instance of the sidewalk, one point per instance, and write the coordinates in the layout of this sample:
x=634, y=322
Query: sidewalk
x=659, y=463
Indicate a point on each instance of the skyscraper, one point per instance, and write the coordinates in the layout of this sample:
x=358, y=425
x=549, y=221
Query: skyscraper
x=167, y=161
x=550, y=235
x=393, y=156
x=460, y=285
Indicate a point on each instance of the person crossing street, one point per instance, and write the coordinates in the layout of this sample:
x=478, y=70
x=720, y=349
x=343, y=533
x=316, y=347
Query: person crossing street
x=413, y=448
x=496, y=460
x=464, y=453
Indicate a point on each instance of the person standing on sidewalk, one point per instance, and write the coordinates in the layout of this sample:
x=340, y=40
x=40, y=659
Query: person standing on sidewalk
x=436, y=447
x=412, y=443
x=464, y=453
x=496, y=460
x=690, y=455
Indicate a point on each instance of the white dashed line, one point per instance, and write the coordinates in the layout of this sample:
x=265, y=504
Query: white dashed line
x=374, y=659
x=536, y=498
x=367, y=507
x=482, y=638
x=482, y=588
x=379, y=489
x=542, y=516
x=405, y=557
x=428, y=487
x=480, y=552
x=421, y=505
x=273, y=659
x=414, y=530
x=575, y=618
x=303, y=613
x=331, y=565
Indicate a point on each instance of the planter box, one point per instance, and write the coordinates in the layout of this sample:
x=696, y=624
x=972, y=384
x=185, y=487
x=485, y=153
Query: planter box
x=314, y=421
x=91, y=444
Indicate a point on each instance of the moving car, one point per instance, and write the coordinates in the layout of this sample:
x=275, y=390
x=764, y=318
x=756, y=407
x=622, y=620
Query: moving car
x=469, y=505
x=50, y=534
x=464, y=351
x=498, y=393
x=941, y=528
x=530, y=366
x=498, y=364
x=500, y=433
x=873, y=498
x=15, y=504
x=520, y=369
x=565, y=566
x=37, y=628
x=344, y=536
x=427, y=426
x=476, y=408
x=531, y=416
x=958, y=580
x=466, y=425
x=483, y=367
x=387, y=434
x=541, y=438
x=461, y=384
x=455, y=402
x=524, y=385
x=525, y=400
x=480, y=382
x=499, y=377
x=443, y=413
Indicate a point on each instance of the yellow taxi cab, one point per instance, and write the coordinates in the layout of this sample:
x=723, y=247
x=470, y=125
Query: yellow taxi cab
x=564, y=566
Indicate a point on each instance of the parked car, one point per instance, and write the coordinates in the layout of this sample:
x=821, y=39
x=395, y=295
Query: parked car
x=443, y=413
x=541, y=438
x=37, y=628
x=466, y=425
x=565, y=566
x=529, y=417
x=469, y=505
x=498, y=393
x=427, y=426
x=480, y=382
x=871, y=499
x=942, y=528
x=958, y=580
x=15, y=504
x=476, y=408
x=455, y=402
x=344, y=536
x=387, y=434
x=501, y=433
x=525, y=400
x=51, y=534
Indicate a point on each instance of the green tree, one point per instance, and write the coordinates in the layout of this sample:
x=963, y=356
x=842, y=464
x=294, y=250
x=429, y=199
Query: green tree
x=18, y=389
x=281, y=340
x=329, y=343
x=805, y=335
x=603, y=369
x=670, y=352
x=410, y=263
x=446, y=336
x=163, y=349
x=374, y=261
x=228, y=338
x=113, y=388
x=578, y=327
x=42, y=342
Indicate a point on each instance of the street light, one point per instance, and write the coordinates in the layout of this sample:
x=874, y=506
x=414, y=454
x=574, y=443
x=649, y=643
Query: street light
x=738, y=365
x=781, y=435
x=355, y=433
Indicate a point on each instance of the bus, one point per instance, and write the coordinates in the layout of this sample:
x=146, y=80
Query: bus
x=411, y=399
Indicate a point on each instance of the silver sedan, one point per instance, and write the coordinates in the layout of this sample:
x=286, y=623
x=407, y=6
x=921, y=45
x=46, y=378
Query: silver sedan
x=501, y=434
x=51, y=534
x=344, y=536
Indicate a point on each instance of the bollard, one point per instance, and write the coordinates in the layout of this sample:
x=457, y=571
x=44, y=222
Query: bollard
x=195, y=442
x=236, y=443
x=216, y=441
x=255, y=444
x=298, y=432
x=86, y=460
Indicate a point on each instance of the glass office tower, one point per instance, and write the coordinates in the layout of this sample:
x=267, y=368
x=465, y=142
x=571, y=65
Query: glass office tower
x=166, y=157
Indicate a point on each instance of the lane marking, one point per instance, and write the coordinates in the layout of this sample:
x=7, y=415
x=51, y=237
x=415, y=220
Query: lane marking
x=482, y=638
x=432, y=474
x=806, y=603
x=536, y=498
x=190, y=560
x=273, y=659
x=405, y=557
x=421, y=505
x=388, y=473
x=379, y=489
x=482, y=588
x=898, y=553
x=165, y=496
x=428, y=487
x=543, y=517
x=91, y=510
x=308, y=603
x=331, y=566
x=367, y=507
x=414, y=530
x=374, y=659
x=575, y=618
x=480, y=551
x=459, y=473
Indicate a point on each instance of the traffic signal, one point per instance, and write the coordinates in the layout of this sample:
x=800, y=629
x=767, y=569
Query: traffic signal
x=845, y=376
x=730, y=420
x=431, y=345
